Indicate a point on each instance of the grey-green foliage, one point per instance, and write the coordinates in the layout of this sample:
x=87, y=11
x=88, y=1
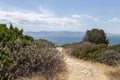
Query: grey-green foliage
x=43, y=43
x=97, y=36
x=28, y=61
x=110, y=57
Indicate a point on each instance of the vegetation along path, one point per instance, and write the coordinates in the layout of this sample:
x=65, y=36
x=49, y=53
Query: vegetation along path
x=84, y=70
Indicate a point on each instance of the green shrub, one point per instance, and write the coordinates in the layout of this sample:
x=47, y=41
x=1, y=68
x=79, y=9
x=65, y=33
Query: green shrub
x=115, y=47
x=42, y=43
x=26, y=37
x=77, y=53
x=90, y=51
x=25, y=42
x=9, y=35
x=95, y=54
x=96, y=36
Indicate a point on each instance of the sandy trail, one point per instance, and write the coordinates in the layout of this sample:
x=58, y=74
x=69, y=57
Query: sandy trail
x=84, y=70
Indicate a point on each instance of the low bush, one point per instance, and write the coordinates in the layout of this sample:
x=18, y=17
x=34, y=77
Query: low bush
x=76, y=45
x=115, y=47
x=42, y=43
x=109, y=57
x=90, y=51
x=70, y=48
x=28, y=61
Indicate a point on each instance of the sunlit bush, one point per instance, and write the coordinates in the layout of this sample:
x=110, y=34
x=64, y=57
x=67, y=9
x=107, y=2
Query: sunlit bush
x=29, y=61
x=89, y=51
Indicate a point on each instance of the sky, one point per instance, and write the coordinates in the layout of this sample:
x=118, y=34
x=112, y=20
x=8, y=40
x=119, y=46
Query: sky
x=62, y=15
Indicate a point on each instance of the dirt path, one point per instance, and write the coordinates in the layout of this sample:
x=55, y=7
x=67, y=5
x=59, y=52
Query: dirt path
x=83, y=70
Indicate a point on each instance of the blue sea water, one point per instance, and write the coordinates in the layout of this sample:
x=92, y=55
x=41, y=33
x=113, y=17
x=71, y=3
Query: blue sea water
x=65, y=37
x=71, y=39
x=114, y=40
x=63, y=40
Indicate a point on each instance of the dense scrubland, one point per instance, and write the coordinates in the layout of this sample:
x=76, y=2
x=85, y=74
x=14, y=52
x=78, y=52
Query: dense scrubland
x=23, y=56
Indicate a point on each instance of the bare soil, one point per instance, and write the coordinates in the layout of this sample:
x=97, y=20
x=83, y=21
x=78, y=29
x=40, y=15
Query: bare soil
x=84, y=70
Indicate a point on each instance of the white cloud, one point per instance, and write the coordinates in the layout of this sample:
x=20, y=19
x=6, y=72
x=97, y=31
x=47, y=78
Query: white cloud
x=45, y=20
x=114, y=20
x=28, y=18
x=85, y=17
x=44, y=10
x=82, y=16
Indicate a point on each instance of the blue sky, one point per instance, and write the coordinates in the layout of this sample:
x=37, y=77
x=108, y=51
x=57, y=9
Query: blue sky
x=62, y=15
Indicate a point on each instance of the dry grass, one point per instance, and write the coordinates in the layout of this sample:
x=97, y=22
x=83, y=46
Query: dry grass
x=33, y=78
x=110, y=72
x=114, y=74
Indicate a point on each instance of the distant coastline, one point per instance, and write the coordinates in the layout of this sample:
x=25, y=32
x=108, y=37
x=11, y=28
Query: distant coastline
x=66, y=37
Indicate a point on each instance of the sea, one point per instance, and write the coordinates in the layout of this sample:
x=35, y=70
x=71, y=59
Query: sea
x=113, y=40
x=60, y=38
